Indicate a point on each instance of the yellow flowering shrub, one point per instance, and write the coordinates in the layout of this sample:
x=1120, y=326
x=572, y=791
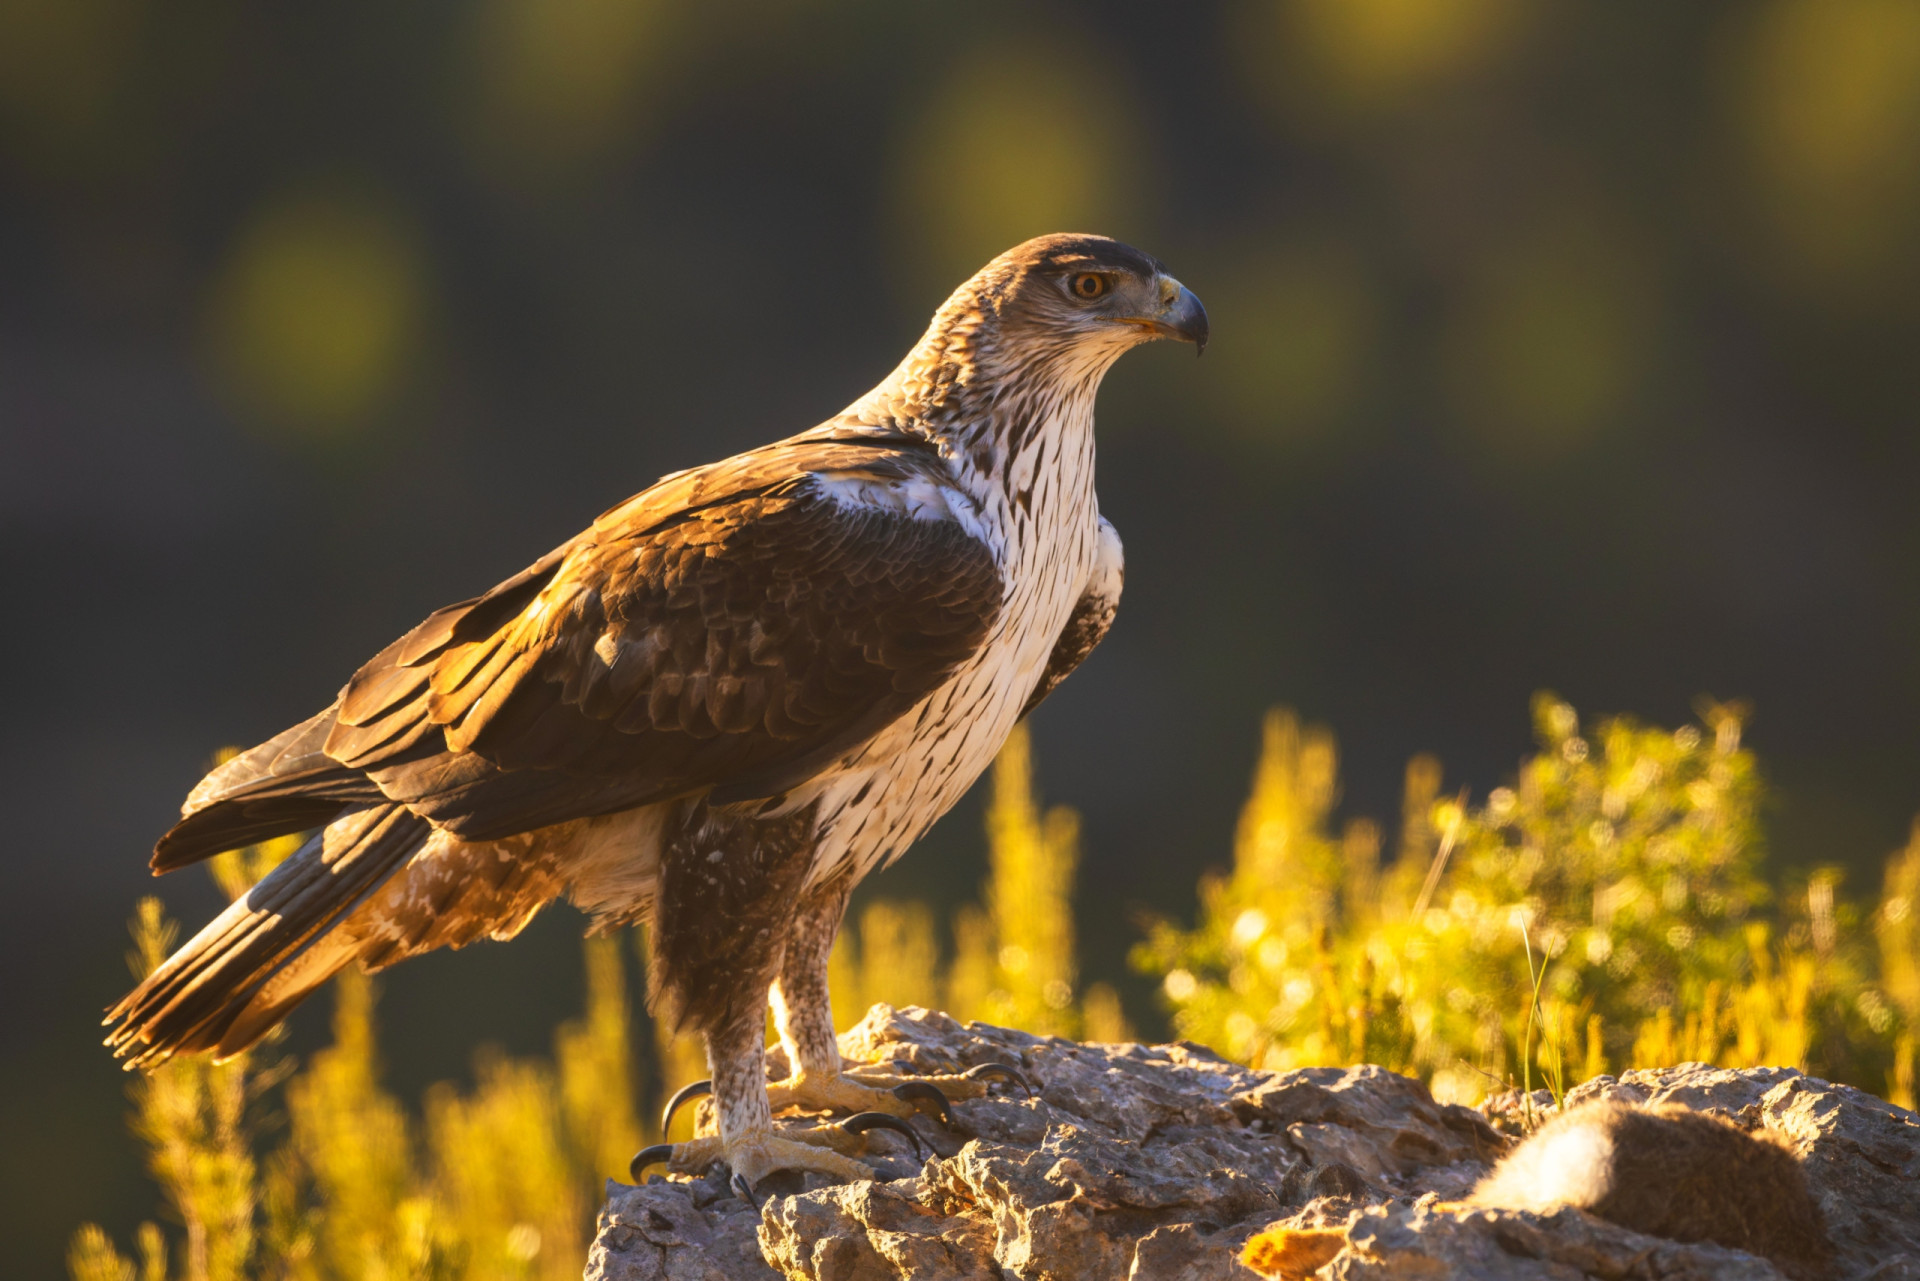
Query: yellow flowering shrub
x=1621, y=870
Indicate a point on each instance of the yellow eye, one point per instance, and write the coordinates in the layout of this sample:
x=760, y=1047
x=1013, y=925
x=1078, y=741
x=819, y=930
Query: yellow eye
x=1089, y=285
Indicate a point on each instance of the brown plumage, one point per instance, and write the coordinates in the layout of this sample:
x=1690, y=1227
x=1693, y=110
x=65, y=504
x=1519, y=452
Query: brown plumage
x=1669, y=1171
x=721, y=631
x=720, y=627
x=717, y=707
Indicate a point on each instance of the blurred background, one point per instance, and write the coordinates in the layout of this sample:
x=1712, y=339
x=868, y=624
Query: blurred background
x=1560, y=345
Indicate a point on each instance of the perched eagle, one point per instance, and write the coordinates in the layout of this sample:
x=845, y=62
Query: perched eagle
x=716, y=709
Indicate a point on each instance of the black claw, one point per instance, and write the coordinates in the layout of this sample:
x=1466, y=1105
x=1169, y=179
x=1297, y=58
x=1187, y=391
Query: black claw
x=658, y=1154
x=680, y=1097
x=744, y=1190
x=1004, y=1072
x=921, y=1092
x=861, y=1122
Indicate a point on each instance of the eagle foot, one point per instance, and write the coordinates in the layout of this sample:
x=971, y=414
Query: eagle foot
x=814, y=1093
x=682, y=1096
x=887, y=1093
x=752, y=1158
x=970, y=1084
x=863, y=1090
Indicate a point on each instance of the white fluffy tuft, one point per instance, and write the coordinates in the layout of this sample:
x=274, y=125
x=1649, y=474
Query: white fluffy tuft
x=1570, y=1164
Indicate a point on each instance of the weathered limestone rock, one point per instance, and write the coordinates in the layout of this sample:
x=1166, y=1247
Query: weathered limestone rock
x=1861, y=1153
x=1861, y=1156
x=677, y=1232
x=1160, y=1161
x=1424, y=1240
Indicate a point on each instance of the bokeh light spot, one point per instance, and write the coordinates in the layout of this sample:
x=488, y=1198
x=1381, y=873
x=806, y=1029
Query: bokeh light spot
x=1300, y=322
x=1549, y=340
x=560, y=82
x=1010, y=145
x=315, y=313
x=63, y=64
x=1359, y=57
x=1828, y=95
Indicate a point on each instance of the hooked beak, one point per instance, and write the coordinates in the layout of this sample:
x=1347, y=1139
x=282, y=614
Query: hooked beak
x=1180, y=316
x=1184, y=318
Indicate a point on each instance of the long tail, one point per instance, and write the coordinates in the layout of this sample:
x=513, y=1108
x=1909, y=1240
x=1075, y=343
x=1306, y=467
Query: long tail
x=254, y=962
x=286, y=784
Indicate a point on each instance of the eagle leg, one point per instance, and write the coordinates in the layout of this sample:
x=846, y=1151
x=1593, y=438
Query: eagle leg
x=747, y=1143
x=728, y=886
x=802, y=1011
x=821, y=1080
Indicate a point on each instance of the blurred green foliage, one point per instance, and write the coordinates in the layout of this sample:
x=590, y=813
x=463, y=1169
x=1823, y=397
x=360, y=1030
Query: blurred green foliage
x=1626, y=861
x=1608, y=910
x=499, y=1181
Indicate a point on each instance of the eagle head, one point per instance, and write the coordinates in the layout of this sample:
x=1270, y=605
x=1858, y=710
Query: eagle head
x=1027, y=340
x=1057, y=309
x=1090, y=290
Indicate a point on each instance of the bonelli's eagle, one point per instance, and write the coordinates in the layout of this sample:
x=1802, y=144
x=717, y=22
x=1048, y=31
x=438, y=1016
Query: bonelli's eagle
x=716, y=709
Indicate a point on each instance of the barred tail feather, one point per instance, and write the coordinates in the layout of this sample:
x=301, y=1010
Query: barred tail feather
x=229, y=984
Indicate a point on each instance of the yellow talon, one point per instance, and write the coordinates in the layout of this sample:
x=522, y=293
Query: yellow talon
x=824, y=1150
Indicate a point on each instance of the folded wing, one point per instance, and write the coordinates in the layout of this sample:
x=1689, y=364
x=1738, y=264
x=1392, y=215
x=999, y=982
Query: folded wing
x=737, y=627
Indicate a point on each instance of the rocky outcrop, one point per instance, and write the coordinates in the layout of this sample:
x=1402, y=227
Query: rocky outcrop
x=1162, y=1161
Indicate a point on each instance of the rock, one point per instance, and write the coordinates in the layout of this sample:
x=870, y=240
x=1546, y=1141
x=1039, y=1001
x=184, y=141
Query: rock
x=1861, y=1153
x=1861, y=1156
x=677, y=1232
x=1162, y=1161
x=1426, y=1240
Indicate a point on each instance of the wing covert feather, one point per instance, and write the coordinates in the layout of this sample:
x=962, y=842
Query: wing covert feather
x=737, y=626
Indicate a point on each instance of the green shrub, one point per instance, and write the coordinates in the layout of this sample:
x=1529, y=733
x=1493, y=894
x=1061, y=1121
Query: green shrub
x=1625, y=861
x=497, y=1183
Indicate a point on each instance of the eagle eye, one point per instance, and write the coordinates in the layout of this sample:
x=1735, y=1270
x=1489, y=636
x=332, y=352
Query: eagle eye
x=1089, y=285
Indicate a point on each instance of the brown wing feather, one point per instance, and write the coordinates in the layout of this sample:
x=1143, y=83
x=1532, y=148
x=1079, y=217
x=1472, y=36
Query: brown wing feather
x=729, y=626
x=201, y=997
x=286, y=784
x=734, y=626
x=396, y=675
